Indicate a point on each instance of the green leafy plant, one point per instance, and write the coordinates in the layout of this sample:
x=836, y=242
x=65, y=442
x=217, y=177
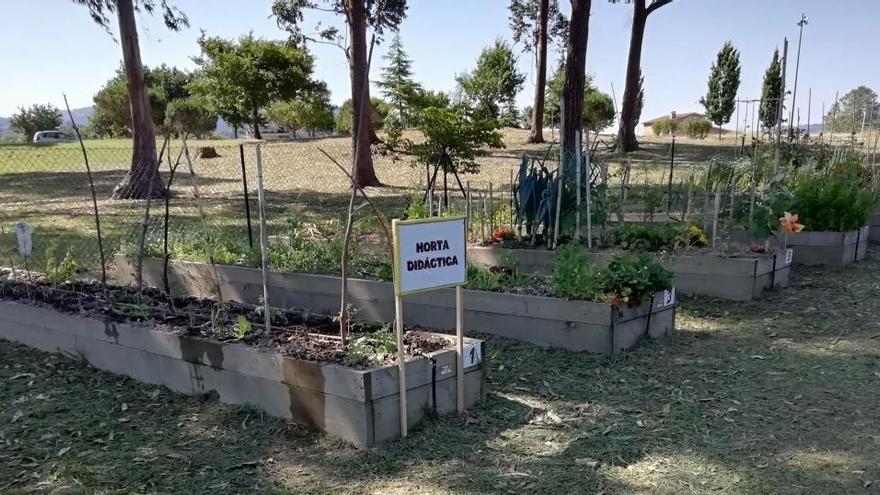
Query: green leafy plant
x=242, y=328
x=647, y=237
x=665, y=127
x=574, y=276
x=838, y=201
x=63, y=271
x=373, y=347
x=416, y=209
x=697, y=128
x=632, y=280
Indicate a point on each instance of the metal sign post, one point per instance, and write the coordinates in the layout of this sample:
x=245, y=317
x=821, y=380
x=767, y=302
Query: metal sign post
x=429, y=254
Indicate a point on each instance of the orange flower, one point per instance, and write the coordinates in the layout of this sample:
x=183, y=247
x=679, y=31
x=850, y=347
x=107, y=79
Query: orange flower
x=789, y=223
x=503, y=234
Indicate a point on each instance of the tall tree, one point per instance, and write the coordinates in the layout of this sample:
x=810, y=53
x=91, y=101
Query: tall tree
x=575, y=74
x=245, y=76
x=28, y=121
x=359, y=14
x=397, y=83
x=720, y=99
x=852, y=107
x=142, y=178
x=493, y=84
x=534, y=24
x=771, y=91
x=626, y=134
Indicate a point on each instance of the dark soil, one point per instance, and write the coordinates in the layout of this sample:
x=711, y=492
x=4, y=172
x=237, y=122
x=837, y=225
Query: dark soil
x=297, y=334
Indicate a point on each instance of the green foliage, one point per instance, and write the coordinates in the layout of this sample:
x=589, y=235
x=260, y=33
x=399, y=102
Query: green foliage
x=423, y=100
x=497, y=278
x=697, y=128
x=454, y=137
x=771, y=91
x=380, y=16
x=633, y=280
x=574, y=276
x=242, y=328
x=720, y=98
x=191, y=115
x=858, y=100
x=416, y=209
x=381, y=109
x=28, y=121
x=102, y=10
x=165, y=85
x=397, y=82
x=373, y=347
x=63, y=271
x=655, y=238
x=838, y=201
x=665, y=127
x=525, y=26
x=393, y=131
x=311, y=112
x=492, y=86
x=240, y=78
x=598, y=106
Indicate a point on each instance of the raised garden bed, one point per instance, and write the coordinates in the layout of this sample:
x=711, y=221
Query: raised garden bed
x=874, y=232
x=545, y=321
x=827, y=248
x=359, y=404
x=734, y=278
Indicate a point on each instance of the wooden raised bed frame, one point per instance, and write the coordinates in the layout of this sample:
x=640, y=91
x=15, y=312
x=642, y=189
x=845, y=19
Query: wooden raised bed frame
x=357, y=405
x=827, y=248
x=737, y=279
x=544, y=321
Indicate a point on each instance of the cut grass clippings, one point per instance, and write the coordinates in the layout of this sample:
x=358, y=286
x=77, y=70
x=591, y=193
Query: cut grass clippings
x=775, y=396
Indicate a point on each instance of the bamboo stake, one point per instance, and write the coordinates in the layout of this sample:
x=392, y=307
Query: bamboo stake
x=264, y=242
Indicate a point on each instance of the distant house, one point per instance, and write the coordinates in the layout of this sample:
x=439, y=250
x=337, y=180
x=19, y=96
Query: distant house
x=681, y=118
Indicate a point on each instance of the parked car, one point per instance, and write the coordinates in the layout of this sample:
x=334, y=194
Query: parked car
x=51, y=137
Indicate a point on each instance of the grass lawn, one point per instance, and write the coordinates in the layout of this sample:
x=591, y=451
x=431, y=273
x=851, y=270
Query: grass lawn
x=776, y=396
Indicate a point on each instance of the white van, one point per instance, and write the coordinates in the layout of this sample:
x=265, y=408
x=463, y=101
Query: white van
x=51, y=137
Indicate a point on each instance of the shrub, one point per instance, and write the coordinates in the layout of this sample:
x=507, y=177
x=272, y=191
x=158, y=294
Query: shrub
x=836, y=202
x=698, y=128
x=654, y=238
x=633, y=280
x=665, y=127
x=63, y=271
x=574, y=276
x=626, y=280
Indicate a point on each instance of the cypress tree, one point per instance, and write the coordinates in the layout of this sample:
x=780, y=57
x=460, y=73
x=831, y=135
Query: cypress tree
x=720, y=99
x=771, y=91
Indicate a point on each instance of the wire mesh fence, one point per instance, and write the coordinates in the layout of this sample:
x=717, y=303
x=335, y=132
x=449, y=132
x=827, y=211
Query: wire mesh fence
x=205, y=204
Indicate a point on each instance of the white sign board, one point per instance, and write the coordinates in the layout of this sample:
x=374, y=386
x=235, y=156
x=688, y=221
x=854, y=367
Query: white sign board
x=668, y=299
x=429, y=254
x=473, y=355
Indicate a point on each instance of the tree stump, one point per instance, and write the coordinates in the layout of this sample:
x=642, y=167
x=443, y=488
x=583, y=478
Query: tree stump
x=208, y=152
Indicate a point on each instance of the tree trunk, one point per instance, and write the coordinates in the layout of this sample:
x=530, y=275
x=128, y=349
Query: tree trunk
x=256, y=122
x=364, y=173
x=537, y=133
x=626, y=135
x=142, y=179
x=575, y=72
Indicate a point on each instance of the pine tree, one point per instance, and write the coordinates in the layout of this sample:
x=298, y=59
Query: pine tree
x=720, y=100
x=770, y=93
x=397, y=83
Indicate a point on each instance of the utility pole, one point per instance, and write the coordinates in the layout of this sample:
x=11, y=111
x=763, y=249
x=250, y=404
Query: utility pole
x=801, y=23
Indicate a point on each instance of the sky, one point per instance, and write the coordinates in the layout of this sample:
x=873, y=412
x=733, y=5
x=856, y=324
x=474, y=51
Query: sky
x=52, y=47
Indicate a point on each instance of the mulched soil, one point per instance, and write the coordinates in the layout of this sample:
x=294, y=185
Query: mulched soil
x=302, y=335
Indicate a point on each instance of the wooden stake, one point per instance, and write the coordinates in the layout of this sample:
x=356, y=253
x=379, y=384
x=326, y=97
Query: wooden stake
x=264, y=241
x=483, y=217
x=401, y=363
x=468, y=209
x=459, y=347
x=715, y=214
x=491, y=210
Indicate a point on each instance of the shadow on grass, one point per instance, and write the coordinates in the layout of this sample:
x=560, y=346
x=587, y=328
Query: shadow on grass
x=774, y=396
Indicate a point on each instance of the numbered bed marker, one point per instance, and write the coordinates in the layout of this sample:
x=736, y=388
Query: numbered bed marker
x=789, y=255
x=473, y=355
x=668, y=298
